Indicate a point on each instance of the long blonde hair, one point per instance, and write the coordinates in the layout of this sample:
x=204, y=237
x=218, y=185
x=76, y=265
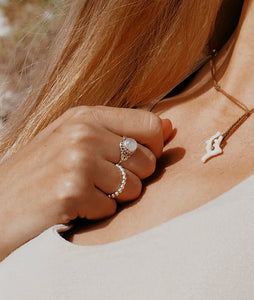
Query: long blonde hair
x=113, y=52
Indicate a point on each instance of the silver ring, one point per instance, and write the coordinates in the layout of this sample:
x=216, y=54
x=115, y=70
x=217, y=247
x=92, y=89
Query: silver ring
x=127, y=147
x=122, y=185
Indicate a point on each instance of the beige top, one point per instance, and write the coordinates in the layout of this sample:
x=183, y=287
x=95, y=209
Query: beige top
x=204, y=254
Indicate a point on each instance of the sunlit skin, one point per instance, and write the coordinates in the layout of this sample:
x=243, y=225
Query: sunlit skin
x=182, y=182
x=71, y=161
x=68, y=169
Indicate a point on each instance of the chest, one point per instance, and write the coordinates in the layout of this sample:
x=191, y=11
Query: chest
x=180, y=184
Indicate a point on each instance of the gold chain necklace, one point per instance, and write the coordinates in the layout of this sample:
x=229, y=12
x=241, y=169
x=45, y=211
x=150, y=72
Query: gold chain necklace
x=215, y=145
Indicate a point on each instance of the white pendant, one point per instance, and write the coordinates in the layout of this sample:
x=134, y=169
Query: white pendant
x=213, y=147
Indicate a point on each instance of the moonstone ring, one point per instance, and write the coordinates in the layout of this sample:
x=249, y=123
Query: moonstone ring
x=127, y=146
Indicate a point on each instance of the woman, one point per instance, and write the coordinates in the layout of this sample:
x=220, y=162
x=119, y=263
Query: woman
x=200, y=254
x=84, y=69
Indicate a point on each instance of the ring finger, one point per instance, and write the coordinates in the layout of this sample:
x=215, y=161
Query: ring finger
x=110, y=178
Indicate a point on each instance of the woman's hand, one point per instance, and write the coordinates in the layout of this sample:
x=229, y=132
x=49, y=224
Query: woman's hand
x=68, y=170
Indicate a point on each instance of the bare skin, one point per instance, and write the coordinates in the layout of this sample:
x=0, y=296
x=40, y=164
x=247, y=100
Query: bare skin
x=182, y=182
x=68, y=169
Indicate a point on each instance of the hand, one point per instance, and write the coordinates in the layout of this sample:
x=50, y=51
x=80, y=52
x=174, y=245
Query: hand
x=68, y=169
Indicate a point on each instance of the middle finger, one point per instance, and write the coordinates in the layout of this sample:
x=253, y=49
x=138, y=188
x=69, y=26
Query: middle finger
x=142, y=162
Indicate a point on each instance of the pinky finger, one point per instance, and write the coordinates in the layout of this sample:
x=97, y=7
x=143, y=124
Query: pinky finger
x=99, y=206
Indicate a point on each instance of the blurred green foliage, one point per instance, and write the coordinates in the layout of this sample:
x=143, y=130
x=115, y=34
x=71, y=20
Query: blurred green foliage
x=33, y=24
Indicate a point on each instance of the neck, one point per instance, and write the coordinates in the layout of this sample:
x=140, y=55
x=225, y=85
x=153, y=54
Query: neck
x=235, y=70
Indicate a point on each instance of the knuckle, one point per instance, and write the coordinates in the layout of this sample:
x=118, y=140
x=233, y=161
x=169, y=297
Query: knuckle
x=150, y=165
x=101, y=114
x=154, y=124
x=70, y=188
x=71, y=194
x=78, y=111
x=97, y=114
x=73, y=158
x=78, y=132
x=66, y=217
x=82, y=133
x=71, y=111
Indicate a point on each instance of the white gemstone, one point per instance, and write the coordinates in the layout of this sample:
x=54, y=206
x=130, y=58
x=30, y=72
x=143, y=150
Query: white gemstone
x=130, y=144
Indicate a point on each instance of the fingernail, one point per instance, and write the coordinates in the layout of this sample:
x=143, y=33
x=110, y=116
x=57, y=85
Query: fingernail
x=166, y=128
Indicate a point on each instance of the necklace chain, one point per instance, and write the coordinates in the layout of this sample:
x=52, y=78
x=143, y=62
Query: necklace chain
x=214, y=144
x=218, y=88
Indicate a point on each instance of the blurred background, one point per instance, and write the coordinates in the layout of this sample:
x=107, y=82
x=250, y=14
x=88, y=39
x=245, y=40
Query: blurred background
x=26, y=29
